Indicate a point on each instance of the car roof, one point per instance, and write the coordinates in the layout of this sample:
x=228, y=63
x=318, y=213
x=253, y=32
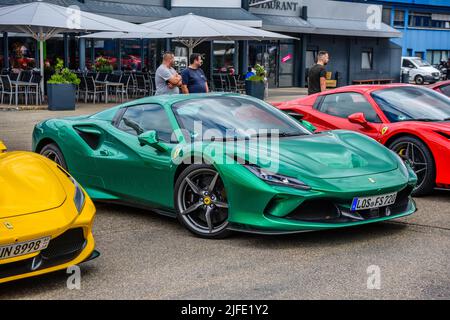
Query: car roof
x=439, y=84
x=171, y=99
x=367, y=88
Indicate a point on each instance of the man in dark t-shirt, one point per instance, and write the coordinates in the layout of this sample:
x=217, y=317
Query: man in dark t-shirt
x=194, y=79
x=317, y=75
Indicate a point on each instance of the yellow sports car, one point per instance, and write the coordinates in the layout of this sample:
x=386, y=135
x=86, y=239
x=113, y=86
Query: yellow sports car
x=45, y=217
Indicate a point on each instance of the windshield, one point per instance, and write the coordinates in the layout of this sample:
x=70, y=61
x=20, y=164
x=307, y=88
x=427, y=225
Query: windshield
x=421, y=63
x=413, y=103
x=234, y=118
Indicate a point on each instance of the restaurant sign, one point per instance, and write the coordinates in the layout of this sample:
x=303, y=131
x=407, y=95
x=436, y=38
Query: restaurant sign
x=276, y=7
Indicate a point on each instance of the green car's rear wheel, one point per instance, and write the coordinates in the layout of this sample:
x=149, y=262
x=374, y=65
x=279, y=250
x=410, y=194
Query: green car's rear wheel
x=201, y=202
x=52, y=152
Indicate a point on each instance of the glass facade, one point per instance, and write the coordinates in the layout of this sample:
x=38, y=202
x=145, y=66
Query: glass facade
x=224, y=57
x=22, y=53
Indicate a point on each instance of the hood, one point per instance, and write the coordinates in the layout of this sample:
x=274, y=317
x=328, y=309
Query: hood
x=429, y=69
x=27, y=185
x=329, y=155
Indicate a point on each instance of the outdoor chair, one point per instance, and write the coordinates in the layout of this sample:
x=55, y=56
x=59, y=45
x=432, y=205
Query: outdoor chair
x=81, y=88
x=141, y=86
x=101, y=76
x=31, y=92
x=125, y=80
x=94, y=90
x=9, y=90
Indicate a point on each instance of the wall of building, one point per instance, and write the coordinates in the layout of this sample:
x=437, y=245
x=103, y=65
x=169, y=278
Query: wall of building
x=417, y=40
x=346, y=56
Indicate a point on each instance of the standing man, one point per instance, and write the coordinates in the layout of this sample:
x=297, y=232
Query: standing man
x=194, y=79
x=317, y=76
x=167, y=80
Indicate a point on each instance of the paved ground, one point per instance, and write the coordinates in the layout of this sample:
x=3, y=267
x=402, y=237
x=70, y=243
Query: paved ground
x=152, y=257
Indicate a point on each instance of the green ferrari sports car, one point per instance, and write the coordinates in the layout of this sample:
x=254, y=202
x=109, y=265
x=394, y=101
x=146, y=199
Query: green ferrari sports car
x=226, y=162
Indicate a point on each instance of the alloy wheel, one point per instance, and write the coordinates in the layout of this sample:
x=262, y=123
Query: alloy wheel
x=414, y=155
x=202, y=201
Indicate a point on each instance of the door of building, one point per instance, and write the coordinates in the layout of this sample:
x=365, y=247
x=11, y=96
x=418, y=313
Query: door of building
x=266, y=54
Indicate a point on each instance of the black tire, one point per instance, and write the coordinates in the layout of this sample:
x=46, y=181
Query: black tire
x=418, y=154
x=192, y=192
x=52, y=152
x=419, y=80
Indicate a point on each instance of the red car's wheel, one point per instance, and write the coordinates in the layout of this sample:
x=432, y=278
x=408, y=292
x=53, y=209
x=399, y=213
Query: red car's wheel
x=419, y=156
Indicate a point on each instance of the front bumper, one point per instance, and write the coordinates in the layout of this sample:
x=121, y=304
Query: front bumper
x=257, y=207
x=70, y=244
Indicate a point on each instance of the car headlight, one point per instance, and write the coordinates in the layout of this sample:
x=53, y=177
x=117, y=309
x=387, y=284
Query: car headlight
x=277, y=179
x=79, y=198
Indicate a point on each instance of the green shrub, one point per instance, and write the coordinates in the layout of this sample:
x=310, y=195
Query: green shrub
x=63, y=75
x=260, y=74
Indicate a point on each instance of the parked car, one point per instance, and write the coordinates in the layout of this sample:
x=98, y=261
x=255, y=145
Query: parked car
x=152, y=153
x=420, y=71
x=442, y=87
x=412, y=121
x=45, y=217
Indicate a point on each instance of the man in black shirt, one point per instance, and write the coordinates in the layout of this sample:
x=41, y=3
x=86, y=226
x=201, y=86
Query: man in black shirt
x=317, y=76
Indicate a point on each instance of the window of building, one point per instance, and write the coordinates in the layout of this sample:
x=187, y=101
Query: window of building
x=409, y=52
x=428, y=20
x=343, y=105
x=224, y=52
x=22, y=53
x=139, y=119
x=436, y=56
x=386, y=17
x=399, y=18
x=367, y=59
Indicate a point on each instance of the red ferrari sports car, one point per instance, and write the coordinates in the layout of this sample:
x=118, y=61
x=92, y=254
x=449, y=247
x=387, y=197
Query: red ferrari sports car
x=442, y=87
x=412, y=121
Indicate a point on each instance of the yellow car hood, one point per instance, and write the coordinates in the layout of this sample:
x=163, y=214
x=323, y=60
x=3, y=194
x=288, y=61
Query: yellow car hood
x=27, y=185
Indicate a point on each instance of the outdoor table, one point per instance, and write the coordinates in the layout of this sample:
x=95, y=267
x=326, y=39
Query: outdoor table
x=111, y=84
x=27, y=85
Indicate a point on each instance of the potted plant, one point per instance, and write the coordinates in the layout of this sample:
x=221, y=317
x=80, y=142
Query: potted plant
x=103, y=65
x=61, y=88
x=255, y=85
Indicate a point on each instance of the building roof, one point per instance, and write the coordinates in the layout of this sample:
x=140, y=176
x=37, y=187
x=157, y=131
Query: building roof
x=238, y=15
x=285, y=24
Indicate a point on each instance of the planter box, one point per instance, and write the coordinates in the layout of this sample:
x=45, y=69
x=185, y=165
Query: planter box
x=255, y=89
x=61, y=96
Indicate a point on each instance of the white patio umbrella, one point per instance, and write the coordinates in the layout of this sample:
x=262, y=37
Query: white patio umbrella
x=191, y=30
x=44, y=20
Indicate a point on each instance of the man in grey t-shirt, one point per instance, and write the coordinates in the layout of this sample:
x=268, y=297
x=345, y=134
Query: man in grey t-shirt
x=167, y=80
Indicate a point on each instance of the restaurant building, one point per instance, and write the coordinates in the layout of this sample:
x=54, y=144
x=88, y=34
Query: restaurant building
x=358, y=41
x=425, y=25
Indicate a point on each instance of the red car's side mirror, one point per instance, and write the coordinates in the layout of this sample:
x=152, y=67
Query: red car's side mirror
x=359, y=118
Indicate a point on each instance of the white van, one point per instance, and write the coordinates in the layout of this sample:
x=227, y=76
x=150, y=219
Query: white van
x=420, y=71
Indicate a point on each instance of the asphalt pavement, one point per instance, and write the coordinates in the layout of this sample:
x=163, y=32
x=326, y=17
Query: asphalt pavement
x=147, y=256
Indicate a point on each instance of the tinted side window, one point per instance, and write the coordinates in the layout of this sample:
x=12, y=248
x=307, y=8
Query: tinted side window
x=407, y=64
x=446, y=90
x=143, y=118
x=345, y=104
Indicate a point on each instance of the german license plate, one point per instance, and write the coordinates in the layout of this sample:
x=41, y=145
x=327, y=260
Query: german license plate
x=373, y=202
x=23, y=248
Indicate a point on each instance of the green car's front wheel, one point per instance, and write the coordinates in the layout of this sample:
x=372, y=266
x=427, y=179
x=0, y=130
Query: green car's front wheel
x=201, y=202
x=52, y=152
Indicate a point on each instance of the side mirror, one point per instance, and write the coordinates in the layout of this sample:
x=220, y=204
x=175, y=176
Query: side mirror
x=359, y=118
x=2, y=147
x=151, y=139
